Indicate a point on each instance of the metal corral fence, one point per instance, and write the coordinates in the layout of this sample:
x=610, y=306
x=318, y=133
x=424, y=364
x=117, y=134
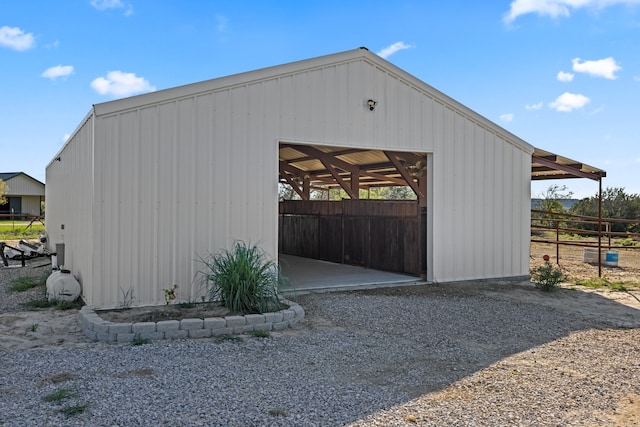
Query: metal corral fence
x=584, y=231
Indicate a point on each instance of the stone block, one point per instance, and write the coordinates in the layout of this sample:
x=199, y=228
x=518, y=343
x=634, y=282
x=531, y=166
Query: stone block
x=120, y=328
x=90, y=334
x=273, y=317
x=294, y=322
x=298, y=310
x=125, y=337
x=242, y=329
x=167, y=325
x=279, y=326
x=151, y=335
x=262, y=327
x=105, y=337
x=253, y=319
x=233, y=321
x=189, y=324
x=199, y=333
x=215, y=323
x=176, y=334
x=288, y=314
x=102, y=327
x=143, y=327
x=220, y=332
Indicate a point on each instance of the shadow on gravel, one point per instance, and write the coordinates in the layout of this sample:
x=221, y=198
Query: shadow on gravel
x=420, y=339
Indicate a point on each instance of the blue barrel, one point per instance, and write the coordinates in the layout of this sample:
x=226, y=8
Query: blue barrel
x=611, y=259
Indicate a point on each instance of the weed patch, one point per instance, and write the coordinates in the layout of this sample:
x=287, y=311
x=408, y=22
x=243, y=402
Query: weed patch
x=60, y=394
x=72, y=410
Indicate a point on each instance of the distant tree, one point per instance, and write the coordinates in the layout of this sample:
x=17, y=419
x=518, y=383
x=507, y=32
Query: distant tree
x=615, y=204
x=550, y=200
x=4, y=189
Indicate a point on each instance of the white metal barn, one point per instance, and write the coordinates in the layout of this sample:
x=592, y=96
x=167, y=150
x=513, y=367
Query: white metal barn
x=147, y=184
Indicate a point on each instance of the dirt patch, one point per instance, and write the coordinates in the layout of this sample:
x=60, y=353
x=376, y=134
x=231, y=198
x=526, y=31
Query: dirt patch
x=571, y=260
x=165, y=312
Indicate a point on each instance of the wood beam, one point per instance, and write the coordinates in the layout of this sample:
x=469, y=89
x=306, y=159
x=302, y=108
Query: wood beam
x=294, y=185
x=405, y=173
x=564, y=168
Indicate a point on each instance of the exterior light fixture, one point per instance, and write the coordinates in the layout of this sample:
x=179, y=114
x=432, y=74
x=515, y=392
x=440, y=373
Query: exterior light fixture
x=372, y=104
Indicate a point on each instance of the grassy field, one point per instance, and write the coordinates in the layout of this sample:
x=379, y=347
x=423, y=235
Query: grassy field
x=16, y=230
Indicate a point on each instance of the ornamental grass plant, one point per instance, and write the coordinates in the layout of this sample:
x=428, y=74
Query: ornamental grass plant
x=243, y=279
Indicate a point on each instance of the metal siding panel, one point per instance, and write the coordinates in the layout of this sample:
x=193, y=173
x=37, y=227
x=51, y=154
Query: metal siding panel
x=23, y=186
x=69, y=203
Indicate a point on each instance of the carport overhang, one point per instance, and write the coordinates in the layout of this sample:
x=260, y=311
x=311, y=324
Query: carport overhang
x=547, y=165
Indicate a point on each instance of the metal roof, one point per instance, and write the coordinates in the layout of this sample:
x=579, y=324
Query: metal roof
x=548, y=165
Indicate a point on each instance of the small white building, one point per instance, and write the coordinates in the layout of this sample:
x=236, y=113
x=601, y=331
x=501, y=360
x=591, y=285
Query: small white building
x=148, y=184
x=24, y=196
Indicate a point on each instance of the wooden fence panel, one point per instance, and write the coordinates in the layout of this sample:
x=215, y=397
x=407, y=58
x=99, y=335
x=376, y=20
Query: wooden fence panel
x=385, y=235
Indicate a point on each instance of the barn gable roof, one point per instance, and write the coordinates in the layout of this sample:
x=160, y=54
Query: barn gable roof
x=360, y=54
x=6, y=176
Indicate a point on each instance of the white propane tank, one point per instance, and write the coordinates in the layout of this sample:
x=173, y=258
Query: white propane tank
x=62, y=286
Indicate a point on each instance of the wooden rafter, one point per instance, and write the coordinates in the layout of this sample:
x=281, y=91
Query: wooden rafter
x=393, y=158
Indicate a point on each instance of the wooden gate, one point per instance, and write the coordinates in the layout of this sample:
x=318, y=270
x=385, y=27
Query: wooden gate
x=385, y=235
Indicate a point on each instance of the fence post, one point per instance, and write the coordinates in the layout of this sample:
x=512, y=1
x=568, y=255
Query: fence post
x=557, y=242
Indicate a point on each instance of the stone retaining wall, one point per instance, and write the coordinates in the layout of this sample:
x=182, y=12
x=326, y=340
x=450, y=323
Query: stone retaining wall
x=98, y=329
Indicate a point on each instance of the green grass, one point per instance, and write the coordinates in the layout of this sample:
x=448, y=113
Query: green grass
x=260, y=334
x=137, y=340
x=228, y=338
x=21, y=284
x=603, y=282
x=72, y=410
x=16, y=230
x=43, y=302
x=60, y=394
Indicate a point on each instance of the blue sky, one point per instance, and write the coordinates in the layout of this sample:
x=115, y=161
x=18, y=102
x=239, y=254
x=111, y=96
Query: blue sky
x=564, y=75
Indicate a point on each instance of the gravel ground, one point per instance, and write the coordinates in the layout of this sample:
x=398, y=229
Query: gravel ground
x=459, y=355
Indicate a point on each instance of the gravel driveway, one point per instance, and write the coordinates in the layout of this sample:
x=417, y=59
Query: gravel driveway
x=434, y=355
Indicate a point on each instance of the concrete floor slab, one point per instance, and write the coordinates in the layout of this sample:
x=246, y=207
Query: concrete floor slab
x=312, y=275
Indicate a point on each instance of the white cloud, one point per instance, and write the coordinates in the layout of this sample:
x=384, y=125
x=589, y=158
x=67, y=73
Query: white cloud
x=221, y=23
x=390, y=50
x=569, y=102
x=636, y=78
x=16, y=39
x=564, y=77
x=533, y=107
x=638, y=160
x=507, y=117
x=112, y=4
x=57, y=71
x=118, y=83
x=107, y=4
x=601, y=68
x=557, y=8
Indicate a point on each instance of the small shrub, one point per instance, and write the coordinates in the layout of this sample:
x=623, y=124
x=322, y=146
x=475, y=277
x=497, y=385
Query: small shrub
x=34, y=327
x=547, y=277
x=243, y=279
x=170, y=294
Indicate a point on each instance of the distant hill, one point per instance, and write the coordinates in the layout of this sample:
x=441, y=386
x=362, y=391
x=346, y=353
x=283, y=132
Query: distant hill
x=566, y=203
